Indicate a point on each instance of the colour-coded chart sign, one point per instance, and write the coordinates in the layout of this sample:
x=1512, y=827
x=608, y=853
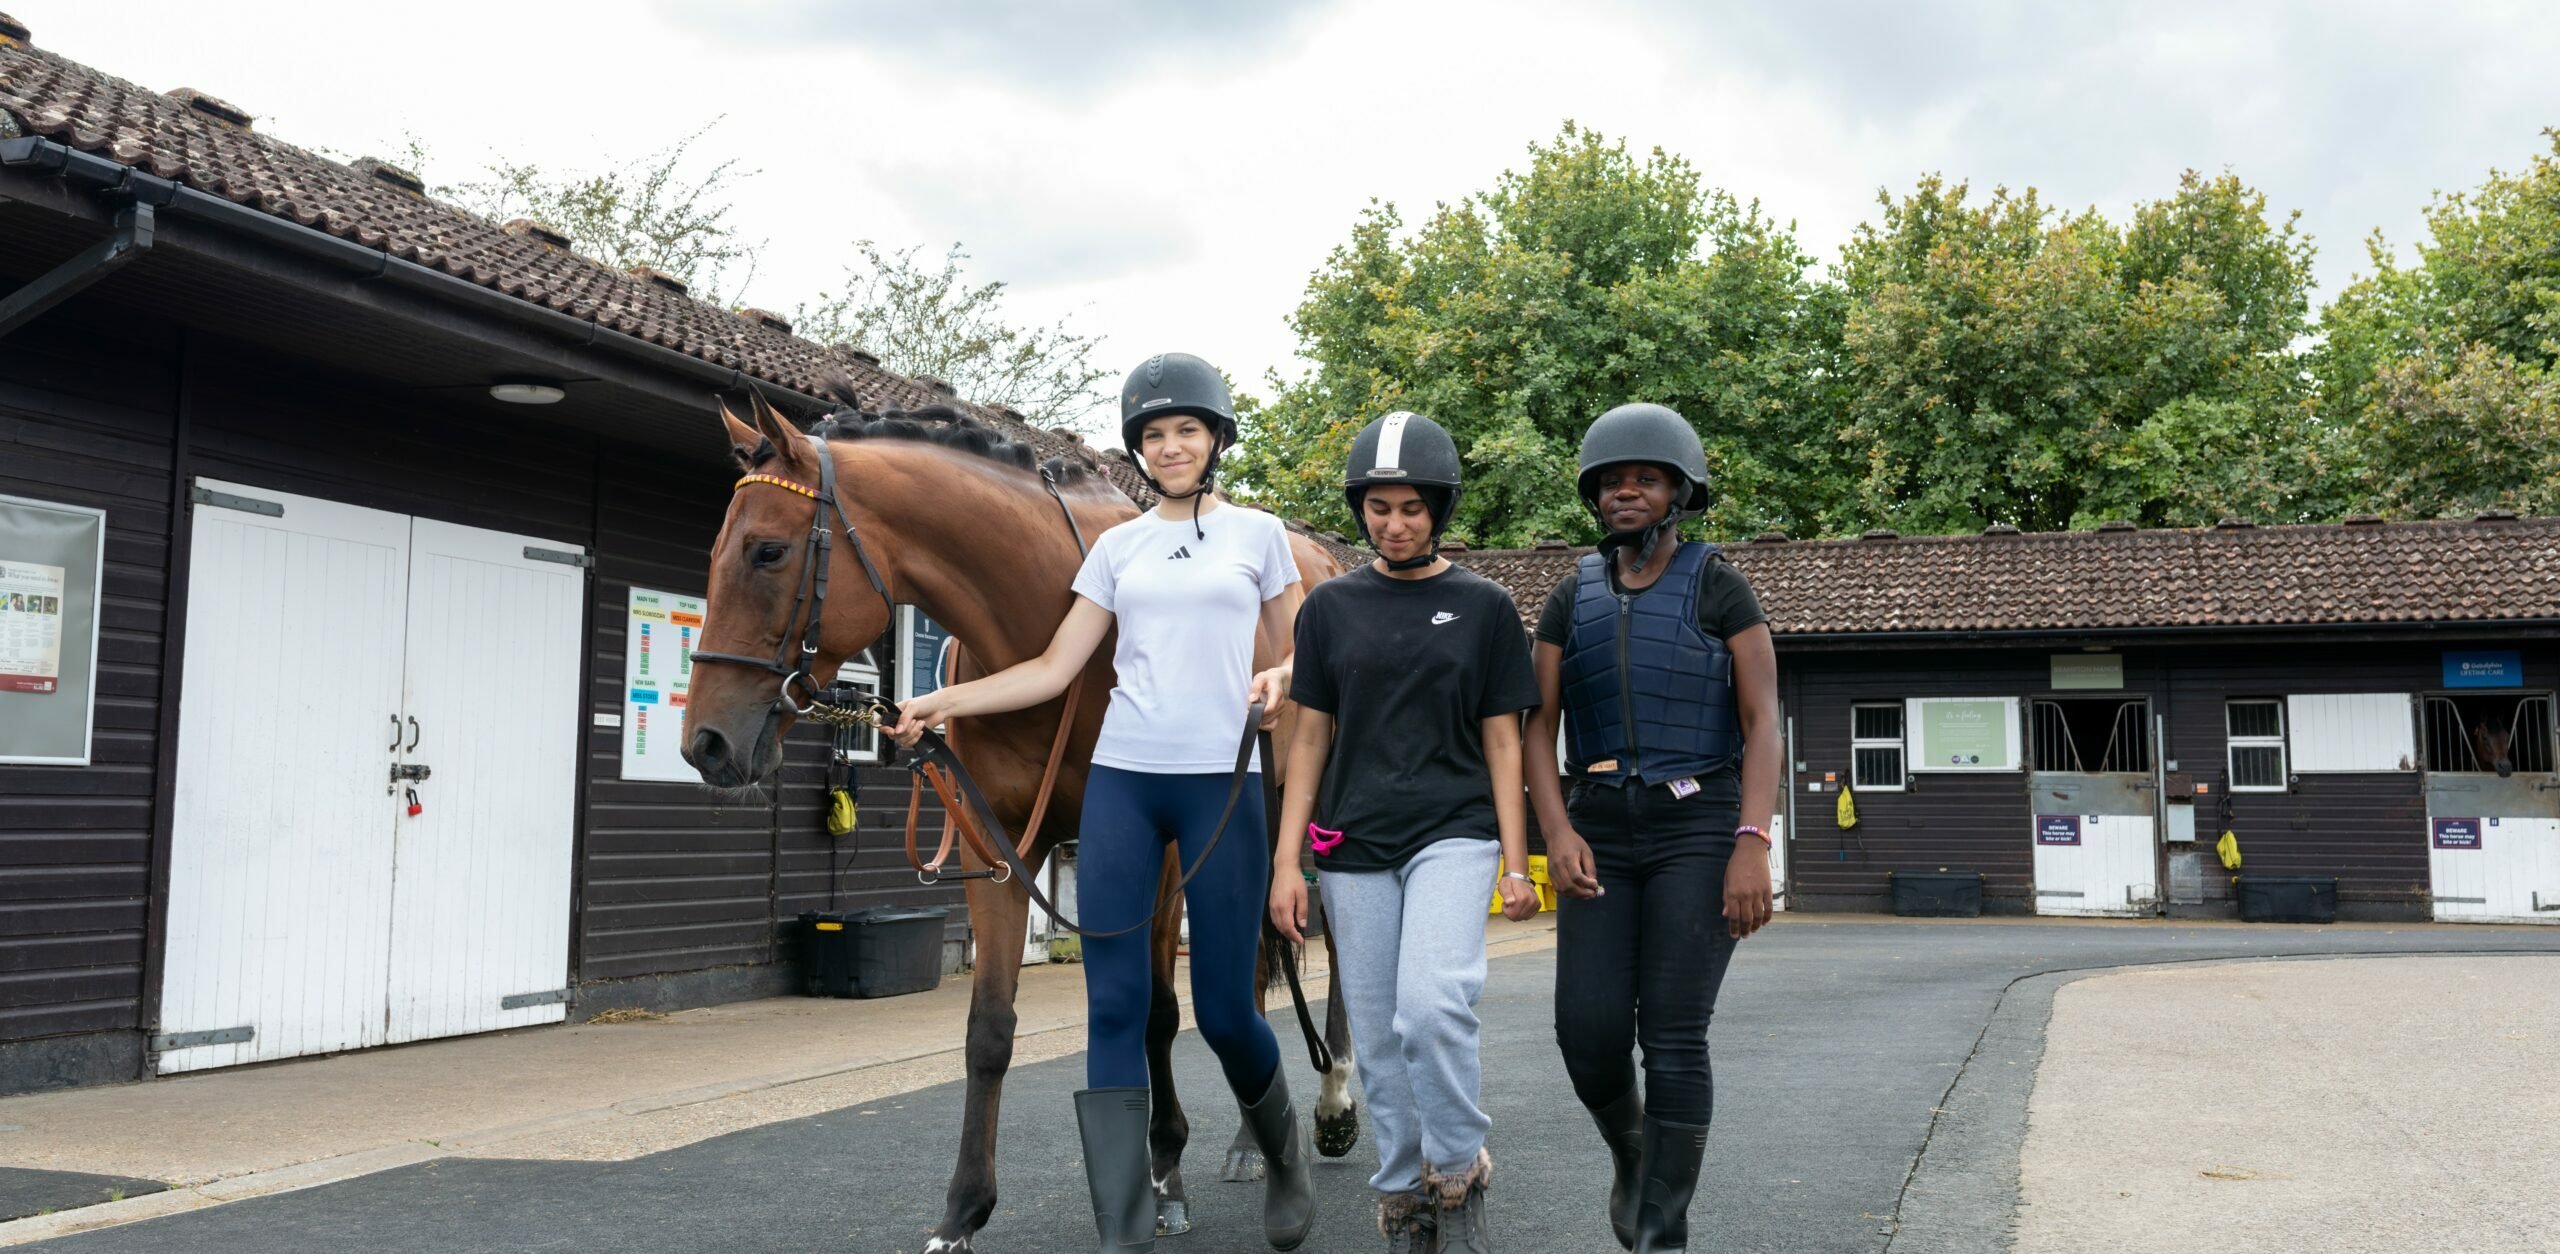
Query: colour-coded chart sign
x=657, y=667
x=2057, y=829
x=2457, y=833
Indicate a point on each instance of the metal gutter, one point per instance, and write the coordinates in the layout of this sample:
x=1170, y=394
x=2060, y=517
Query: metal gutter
x=116, y=181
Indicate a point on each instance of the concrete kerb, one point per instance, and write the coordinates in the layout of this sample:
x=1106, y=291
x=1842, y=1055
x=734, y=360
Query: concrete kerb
x=1964, y=1190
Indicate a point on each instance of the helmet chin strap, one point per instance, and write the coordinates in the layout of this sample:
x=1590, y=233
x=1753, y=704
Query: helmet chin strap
x=1208, y=480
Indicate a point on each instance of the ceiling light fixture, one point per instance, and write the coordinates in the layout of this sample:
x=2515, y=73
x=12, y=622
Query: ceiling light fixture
x=527, y=392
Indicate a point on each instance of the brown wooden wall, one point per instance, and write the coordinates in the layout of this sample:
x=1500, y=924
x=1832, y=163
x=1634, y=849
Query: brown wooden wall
x=2367, y=830
x=679, y=894
x=86, y=416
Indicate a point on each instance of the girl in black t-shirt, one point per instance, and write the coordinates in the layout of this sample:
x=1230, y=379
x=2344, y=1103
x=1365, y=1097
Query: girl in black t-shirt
x=1656, y=659
x=1412, y=675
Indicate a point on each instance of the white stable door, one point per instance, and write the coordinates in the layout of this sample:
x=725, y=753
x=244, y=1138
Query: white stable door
x=327, y=647
x=280, y=853
x=480, y=904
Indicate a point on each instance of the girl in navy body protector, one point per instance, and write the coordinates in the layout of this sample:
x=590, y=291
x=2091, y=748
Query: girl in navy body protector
x=1655, y=657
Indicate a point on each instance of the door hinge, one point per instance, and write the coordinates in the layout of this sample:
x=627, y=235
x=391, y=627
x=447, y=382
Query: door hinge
x=521, y=1000
x=2461, y=901
x=2539, y=908
x=565, y=557
x=167, y=1041
x=2057, y=892
x=245, y=504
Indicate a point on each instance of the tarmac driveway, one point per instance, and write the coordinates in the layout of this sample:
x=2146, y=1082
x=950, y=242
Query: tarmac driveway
x=1873, y=1084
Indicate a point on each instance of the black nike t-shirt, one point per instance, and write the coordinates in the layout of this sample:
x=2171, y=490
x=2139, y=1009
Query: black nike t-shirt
x=1409, y=669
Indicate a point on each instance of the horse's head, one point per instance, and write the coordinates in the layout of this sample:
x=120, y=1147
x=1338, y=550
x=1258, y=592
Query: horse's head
x=2494, y=744
x=758, y=605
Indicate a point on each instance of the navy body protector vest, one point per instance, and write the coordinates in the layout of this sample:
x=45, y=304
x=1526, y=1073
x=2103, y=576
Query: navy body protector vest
x=1647, y=695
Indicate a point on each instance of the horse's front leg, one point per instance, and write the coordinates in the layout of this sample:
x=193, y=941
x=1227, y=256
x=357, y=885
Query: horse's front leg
x=1337, y=1114
x=998, y=913
x=1168, y=1129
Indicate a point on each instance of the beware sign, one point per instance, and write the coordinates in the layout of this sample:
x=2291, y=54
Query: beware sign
x=2057, y=829
x=2457, y=833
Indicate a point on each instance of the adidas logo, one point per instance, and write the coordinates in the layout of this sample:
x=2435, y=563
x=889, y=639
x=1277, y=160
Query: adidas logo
x=1184, y=551
x=1443, y=616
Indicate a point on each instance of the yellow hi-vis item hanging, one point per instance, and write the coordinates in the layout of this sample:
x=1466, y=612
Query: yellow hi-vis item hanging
x=1847, y=810
x=2229, y=848
x=841, y=812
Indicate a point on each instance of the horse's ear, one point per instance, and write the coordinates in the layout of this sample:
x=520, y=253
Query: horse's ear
x=742, y=438
x=788, y=446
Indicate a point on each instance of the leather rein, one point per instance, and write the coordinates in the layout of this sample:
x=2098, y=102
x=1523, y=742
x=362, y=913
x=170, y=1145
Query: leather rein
x=967, y=817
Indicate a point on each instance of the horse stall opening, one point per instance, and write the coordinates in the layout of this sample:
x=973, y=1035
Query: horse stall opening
x=2493, y=806
x=2095, y=795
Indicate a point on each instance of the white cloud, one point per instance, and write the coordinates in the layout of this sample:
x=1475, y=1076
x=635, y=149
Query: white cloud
x=1183, y=203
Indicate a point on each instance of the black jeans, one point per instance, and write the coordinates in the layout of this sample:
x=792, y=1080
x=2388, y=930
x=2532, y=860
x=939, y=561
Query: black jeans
x=1641, y=963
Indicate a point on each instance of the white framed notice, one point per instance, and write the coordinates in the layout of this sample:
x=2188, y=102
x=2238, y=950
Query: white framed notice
x=51, y=562
x=657, y=680
x=1963, y=734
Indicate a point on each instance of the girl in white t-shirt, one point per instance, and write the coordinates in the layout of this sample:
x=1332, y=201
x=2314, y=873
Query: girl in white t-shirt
x=1186, y=584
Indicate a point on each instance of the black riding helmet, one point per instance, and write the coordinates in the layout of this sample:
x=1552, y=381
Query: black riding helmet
x=1177, y=383
x=1407, y=448
x=1643, y=432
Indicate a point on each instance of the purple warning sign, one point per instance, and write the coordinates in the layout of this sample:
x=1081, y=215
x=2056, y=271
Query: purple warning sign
x=2057, y=829
x=2457, y=833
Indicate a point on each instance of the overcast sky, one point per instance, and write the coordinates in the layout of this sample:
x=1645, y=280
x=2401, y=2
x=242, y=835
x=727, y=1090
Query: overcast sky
x=1167, y=173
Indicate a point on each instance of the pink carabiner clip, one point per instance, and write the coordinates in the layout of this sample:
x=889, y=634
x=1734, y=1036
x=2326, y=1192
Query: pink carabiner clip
x=1324, y=841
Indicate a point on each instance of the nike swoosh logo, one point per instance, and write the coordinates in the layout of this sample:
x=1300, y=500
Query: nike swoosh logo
x=1443, y=616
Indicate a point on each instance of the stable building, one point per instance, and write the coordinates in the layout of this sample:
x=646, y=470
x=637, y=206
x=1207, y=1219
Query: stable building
x=2078, y=717
x=350, y=550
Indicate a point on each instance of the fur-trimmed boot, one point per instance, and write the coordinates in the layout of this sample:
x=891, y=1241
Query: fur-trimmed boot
x=1622, y=1127
x=1288, y=1179
x=1672, y=1153
x=1113, y=1123
x=1460, y=1195
x=1409, y=1222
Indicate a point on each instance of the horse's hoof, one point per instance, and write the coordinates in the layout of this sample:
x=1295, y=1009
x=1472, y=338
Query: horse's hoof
x=1244, y=1166
x=1173, y=1216
x=949, y=1245
x=1336, y=1135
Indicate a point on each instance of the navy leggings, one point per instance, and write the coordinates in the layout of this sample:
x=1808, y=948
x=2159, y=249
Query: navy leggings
x=1129, y=816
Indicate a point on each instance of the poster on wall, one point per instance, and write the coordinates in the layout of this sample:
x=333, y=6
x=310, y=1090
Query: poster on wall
x=1964, y=733
x=657, y=679
x=51, y=557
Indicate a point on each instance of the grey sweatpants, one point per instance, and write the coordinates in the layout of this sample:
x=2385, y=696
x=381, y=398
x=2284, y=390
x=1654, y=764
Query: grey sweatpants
x=1411, y=948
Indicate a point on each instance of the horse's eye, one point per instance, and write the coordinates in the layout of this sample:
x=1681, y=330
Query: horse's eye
x=769, y=554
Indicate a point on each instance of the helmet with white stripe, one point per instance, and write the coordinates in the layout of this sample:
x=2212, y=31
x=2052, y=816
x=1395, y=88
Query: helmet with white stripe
x=1404, y=448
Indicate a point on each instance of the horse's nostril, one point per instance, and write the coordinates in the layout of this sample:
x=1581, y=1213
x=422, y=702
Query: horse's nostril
x=707, y=749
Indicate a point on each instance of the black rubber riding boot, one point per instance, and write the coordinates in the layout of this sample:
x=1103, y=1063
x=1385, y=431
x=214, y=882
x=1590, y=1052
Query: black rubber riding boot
x=1288, y=1182
x=1114, y=1124
x=1672, y=1152
x=1622, y=1126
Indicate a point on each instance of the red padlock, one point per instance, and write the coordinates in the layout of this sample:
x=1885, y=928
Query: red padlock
x=415, y=809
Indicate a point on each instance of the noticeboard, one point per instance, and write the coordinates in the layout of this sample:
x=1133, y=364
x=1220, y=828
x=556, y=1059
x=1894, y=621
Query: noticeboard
x=51, y=560
x=1963, y=733
x=657, y=681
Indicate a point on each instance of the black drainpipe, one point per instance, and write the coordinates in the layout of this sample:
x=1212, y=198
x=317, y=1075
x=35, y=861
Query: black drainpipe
x=132, y=238
x=145, y=191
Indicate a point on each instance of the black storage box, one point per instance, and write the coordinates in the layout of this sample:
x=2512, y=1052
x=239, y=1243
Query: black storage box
x=826, y=955
x=2287, y=898
x=1937, y=894
x=896, y=950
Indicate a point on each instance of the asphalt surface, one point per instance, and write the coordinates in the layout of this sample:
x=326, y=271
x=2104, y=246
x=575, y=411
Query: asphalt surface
x=28, y=1191
x=1873, y=1080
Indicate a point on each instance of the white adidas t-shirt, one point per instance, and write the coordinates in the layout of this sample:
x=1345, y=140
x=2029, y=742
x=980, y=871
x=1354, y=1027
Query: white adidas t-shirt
x=1187, y=607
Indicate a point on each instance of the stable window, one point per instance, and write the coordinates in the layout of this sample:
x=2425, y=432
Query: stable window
x=1875, y=746
x=2489, y=733
x=2256, y=731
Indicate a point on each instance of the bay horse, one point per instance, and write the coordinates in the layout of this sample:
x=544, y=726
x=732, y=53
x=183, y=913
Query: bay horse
x=963, y=525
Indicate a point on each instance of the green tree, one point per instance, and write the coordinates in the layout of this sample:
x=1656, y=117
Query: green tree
x=1588, y=279
x=658, y=211
x=2005, y=363
x=922, y=319
x=2442, y=374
